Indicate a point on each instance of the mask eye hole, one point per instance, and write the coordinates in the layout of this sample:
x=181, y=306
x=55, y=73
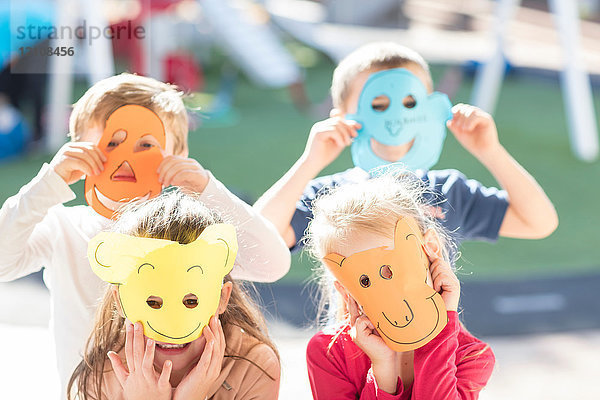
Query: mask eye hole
x=154, y=302
x=409, y=101
x=365, y=281
x=117, y=138
x=380, y=103
x=144, y=143
x=386, y=272
x=190, y=300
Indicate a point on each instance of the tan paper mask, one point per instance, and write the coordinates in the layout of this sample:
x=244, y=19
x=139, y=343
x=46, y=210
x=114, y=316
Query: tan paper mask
x=130, y=170
x=157, y=278
x=390, y=285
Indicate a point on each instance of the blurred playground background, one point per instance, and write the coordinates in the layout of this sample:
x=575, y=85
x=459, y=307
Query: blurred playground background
x=536, y=300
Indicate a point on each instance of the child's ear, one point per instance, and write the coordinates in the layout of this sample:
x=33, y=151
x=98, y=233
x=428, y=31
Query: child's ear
x=226, y=290
x=114, y=289
x=432, y=243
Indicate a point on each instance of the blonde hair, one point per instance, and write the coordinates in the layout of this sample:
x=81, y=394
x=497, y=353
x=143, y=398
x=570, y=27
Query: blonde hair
x=377, y=55
x=172, y=216
x=372, y=206
x=99, y=101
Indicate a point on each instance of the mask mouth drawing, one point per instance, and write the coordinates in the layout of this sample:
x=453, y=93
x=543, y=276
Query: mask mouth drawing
x=395, y=323
x=171, y=337
x=112, y=204
x=425, y=336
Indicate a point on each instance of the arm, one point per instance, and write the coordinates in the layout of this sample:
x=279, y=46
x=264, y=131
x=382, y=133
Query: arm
x=262, y=254
x=442, y=375
x=26, y=237
x=278, y=204
x=530, y=214
x=326, y=141
x=26, y=240
x=331, y=378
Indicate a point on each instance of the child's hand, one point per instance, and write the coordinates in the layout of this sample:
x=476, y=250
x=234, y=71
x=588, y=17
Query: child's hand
x=76, y=159
x=445, y=282
x=184, y=172
x=383, y=359
x=197, y=382
x=327, y=139
x=474, y=129
x=366, y=337
x=141, y=381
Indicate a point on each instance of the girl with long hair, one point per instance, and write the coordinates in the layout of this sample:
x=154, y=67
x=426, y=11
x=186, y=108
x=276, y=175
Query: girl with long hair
x=234, y=358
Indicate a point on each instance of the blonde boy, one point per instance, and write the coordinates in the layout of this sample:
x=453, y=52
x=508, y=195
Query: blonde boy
x=464, y=206
x=38, y=231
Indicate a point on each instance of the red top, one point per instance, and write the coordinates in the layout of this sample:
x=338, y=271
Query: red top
x=454, y=365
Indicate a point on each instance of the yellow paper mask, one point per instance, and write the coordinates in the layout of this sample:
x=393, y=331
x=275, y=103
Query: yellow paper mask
x=155, y=275
x=131, y=168
x=390, y=285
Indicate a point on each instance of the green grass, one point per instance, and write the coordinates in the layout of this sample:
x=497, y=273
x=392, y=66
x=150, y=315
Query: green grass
x=270, y=134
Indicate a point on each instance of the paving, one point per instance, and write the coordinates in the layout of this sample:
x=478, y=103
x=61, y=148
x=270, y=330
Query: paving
x=560, y=364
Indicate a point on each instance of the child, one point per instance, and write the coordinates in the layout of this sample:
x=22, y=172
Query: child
x=233, y=358
x=463, y=206
x=37, y=230
x=364, y=235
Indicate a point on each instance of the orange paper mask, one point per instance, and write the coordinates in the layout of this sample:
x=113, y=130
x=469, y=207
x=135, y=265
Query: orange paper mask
x=390, y=285
x=132, y=141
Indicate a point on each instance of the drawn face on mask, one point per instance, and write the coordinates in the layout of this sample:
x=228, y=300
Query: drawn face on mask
x=132, y=142
x=394, y=108
x=172, y=289
x=391, y=286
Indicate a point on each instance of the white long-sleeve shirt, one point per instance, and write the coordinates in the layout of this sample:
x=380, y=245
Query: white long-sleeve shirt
x=37, y=231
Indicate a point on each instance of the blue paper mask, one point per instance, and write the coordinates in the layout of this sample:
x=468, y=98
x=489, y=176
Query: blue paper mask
x=425, y=121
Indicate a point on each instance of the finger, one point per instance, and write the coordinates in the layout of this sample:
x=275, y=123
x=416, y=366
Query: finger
x=476, y=120
x=170, y=169
x=138, y=345
x=208, y=333
x=202, y=365
x=354, y=127
x=221, y=338
x=101, y=154
x=148, y=361
x=330, y=136
x=432, y=256
x=364, y=327
x=175, y=170
x=88, y=155
x=76, y=162
x=166, y=163
x=129, y=346
x=353, y=310
x=95, y=155
x=118, y=367
x=216, y=356
x=344, y=134
x=206, y=356
x=165, y=375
